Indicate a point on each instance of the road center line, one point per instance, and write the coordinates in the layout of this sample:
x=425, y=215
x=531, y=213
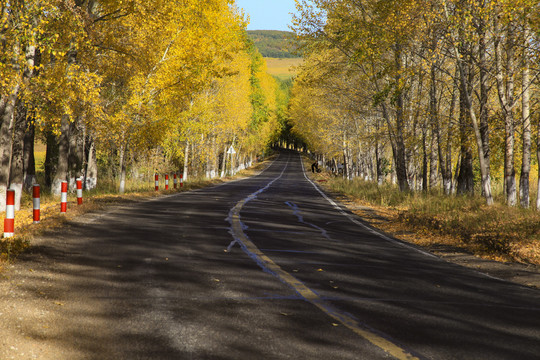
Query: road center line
x=268, y=265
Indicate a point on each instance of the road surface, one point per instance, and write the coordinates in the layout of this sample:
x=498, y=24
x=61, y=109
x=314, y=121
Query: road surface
x=263, y=268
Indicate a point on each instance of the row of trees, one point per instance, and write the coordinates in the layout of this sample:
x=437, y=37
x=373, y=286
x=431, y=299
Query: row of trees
x=446, y=89
x=118, y=81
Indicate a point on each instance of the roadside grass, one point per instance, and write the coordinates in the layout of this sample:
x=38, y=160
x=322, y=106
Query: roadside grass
x=497, y=232
x=99, y=199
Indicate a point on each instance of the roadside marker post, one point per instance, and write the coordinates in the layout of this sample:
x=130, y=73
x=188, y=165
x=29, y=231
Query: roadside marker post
x=79, y=191
x=36, y=195
x=9, y=221
x=167, y=182
x=63, y=198
x=157, y=181
x=181, y=180
x=175, y=180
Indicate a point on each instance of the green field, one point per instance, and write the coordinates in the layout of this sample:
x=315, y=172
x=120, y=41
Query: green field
x=283, y=68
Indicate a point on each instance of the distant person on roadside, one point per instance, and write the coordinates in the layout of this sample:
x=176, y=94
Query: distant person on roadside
x=340, y=168
x=315, y=167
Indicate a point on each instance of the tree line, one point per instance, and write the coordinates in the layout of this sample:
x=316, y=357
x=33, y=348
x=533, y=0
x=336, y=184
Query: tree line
x=110, y=86
x=440, y=94
x=275, y=44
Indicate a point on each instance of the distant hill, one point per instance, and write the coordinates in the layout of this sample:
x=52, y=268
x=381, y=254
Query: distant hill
x=274, y=44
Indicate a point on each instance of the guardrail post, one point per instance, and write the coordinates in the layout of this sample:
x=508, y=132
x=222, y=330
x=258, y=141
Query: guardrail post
x=9, y=221
x=63, y=198
x=79, y=191
x=36, y=203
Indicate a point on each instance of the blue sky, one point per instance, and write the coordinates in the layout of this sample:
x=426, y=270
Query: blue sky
x=268, y=14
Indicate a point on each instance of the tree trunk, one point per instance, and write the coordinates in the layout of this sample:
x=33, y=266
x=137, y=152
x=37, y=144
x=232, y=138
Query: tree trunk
x=398, y=153
x=122, y=166
x=16, y=174
x=526, y=118
x=425, y=184
x=345, y=158
x=28, y=156
x=5, y=144
x=445, y=159
x=379, y=162
x=435, y=131
x=28, y=161
x=434, y=120
x=51, y=158
x=505, y=87
x=456, y=175
x=61, y=173
x=210, y=162
x=186, y=161
x=433, y=173
x=8, y=107
x=465, y=179
x=76, y=152
x=538, y=158
x=484, y=96
x=217, y=157
x=484, y=169
x=401, y=163
x=91, y=171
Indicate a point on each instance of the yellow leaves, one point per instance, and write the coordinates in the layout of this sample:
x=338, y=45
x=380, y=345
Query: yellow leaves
x=143, y=73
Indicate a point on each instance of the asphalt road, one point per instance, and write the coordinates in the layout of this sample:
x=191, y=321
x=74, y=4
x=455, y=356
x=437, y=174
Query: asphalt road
x=266, y=268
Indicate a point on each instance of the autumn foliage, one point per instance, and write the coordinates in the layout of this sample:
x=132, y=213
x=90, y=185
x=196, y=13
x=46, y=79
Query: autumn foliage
x=132, y=86
x=429, y=94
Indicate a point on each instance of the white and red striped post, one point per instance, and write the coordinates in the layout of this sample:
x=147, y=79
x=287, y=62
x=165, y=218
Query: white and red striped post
x=63, y=199
x=167, y=182
x=157, y=182
x=79, y=191
x=175, y=181
x=181, y=180
x=9, y=221
x=36, y=201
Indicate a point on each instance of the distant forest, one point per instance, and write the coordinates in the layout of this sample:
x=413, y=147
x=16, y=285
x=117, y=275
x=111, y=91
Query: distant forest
x=275, y=44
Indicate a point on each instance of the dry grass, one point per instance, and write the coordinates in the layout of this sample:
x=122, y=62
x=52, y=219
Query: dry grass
x=495, y=232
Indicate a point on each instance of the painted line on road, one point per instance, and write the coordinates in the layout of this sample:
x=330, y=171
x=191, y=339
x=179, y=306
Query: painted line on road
x=298, y=214
x=359, y=223
x=381, y=341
